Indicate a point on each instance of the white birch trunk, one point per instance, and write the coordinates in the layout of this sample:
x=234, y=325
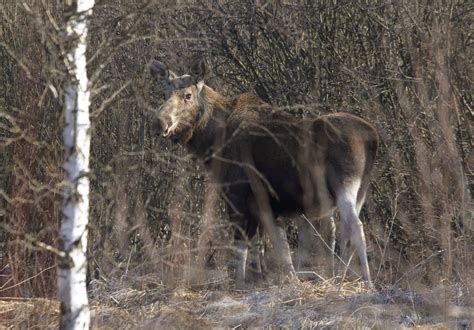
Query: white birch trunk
x=72, y=264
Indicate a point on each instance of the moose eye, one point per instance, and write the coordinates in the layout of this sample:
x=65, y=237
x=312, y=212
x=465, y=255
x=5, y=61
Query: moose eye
x=188, y=96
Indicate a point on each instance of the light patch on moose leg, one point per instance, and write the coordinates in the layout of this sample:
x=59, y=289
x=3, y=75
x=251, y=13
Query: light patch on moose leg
x=333, y=244
x=255, y=254
x=350, y=223
x=284, y=252
x=345, y=203
x=241, y=251
x=360, y=203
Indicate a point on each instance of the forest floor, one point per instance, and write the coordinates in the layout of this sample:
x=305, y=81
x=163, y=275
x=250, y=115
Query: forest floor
x=146, y=303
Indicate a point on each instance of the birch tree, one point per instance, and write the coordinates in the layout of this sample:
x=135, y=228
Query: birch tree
x=73, y=234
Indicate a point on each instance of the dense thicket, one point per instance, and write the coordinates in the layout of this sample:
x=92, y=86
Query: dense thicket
x=405, y=66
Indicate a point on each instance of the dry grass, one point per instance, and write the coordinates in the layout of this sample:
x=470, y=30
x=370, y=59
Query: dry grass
x=150, y=210
x=298, y=304
x=29, y=313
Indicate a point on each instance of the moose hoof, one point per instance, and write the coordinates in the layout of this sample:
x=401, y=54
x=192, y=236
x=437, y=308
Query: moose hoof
x=369, y=285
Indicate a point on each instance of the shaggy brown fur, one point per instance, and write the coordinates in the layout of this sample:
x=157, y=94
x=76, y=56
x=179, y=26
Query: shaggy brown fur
x=259, y=155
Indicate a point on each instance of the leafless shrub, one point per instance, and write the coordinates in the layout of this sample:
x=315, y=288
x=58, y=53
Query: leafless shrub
x=405, y=66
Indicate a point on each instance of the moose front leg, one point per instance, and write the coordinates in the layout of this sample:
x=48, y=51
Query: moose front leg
x=244, y=231
x=276, y=231
x=245, y=227
x=284, y=252
x=277, y=259
x=241, y=252
x=257, y=254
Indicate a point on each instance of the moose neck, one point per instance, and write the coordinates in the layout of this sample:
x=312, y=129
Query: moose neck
x=210, y=129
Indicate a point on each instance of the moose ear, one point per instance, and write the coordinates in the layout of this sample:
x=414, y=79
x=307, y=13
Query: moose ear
x=198, y=70
x=200, y=85
x=160, y=71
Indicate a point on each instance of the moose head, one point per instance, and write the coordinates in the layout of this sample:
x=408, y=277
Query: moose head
x=180, y=113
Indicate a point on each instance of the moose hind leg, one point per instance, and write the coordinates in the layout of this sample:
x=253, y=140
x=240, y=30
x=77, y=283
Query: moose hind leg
x=351, y=224
x=316, y=245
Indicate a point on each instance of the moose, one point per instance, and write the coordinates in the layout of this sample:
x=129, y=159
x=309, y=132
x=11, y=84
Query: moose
x=269, y=164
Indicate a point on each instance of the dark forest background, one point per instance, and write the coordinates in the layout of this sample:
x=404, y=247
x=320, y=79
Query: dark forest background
x=405, y=66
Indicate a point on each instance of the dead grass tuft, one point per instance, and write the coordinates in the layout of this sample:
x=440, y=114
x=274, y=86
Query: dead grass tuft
x=29, y=313
x=296, y=304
